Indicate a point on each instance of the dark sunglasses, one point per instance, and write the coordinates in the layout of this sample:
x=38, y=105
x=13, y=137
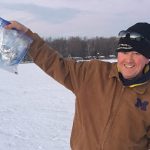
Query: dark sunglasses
x=131, y=35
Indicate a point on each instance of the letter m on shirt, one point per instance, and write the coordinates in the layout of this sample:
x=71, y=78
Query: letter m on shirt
x=141, y=104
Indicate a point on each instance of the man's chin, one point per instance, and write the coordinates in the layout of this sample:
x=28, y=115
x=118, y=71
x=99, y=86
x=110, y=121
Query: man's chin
x=128, y=77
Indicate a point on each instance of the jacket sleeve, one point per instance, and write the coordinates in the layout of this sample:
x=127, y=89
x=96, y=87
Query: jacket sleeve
x=66, y=71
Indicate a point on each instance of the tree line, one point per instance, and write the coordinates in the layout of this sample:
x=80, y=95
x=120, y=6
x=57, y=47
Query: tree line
x=97, y=47
x=83, y=47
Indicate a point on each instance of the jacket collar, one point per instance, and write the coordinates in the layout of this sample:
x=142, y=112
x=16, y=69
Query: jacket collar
x=114, y=71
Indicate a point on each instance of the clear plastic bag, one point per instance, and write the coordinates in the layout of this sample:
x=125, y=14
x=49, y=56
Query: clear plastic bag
x=14, y=45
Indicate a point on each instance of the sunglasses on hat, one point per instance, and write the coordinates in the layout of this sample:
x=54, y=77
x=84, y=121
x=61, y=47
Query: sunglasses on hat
x=131, y=35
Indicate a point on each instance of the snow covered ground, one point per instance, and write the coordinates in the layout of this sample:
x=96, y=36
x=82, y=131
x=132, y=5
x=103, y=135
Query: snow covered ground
x=36, y=112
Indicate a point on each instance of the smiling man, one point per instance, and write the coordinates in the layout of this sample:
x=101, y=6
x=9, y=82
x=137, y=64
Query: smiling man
x=131, y=64
x=112, y=110
x=133, y=54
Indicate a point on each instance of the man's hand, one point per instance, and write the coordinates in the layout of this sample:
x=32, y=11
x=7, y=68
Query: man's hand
x=16, y=25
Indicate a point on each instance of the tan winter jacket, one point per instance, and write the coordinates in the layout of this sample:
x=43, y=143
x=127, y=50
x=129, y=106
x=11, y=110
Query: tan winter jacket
x=108, y=115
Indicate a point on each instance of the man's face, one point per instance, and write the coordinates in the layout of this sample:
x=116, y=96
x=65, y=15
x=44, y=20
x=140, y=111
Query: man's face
x=131, y=64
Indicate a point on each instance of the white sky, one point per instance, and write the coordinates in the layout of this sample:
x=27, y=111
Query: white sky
x=76, y=17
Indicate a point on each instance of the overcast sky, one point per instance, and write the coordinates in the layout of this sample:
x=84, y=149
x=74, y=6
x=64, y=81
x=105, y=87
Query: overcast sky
x=63, y=18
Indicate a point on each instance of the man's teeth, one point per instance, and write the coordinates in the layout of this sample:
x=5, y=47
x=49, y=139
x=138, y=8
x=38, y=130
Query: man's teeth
x=128, y=65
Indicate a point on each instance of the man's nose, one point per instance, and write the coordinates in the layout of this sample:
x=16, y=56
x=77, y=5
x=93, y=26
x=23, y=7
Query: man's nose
x=130, y=57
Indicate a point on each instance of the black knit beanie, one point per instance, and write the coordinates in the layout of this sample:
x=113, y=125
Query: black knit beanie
x=143, y=46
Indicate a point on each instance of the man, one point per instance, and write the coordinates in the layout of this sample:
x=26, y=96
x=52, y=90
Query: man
x=112, y=110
